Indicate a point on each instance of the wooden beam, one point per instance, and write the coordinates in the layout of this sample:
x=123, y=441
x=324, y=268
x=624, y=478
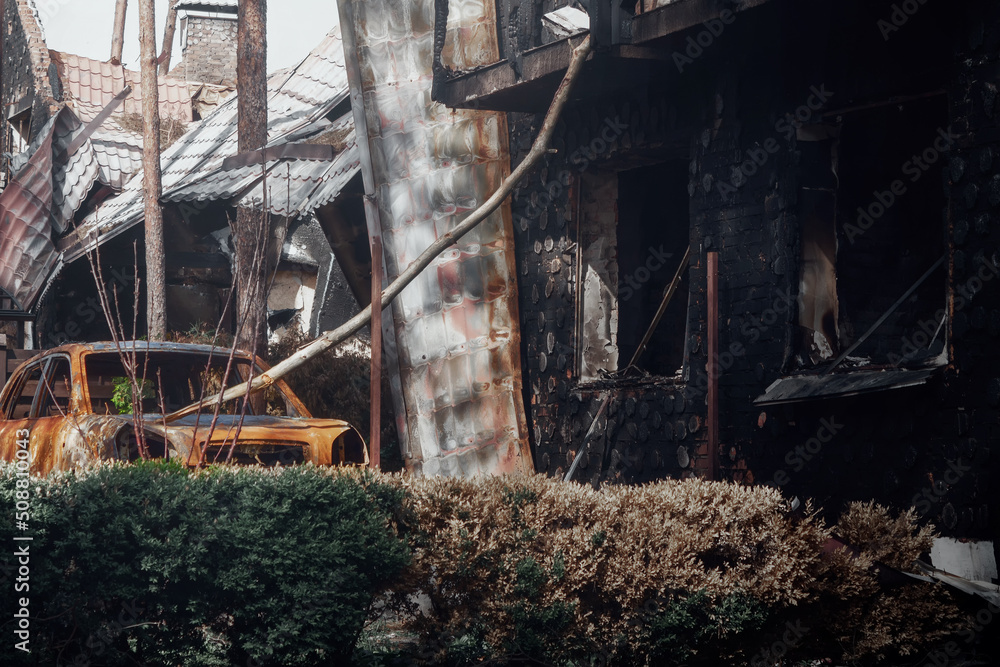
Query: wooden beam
x=682, y=15
x=545, y=62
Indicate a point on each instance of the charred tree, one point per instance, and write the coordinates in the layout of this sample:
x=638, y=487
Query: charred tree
x=118, y=36
x=251, y=231
x=155, y=264
x=168, y=37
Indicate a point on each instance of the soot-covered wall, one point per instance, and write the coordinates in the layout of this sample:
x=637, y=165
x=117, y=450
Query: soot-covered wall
x=779, y=123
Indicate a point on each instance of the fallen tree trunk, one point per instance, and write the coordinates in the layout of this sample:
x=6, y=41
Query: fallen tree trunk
x=356, y=323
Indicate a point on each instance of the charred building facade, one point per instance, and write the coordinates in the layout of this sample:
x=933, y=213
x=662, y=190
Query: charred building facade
x=834, y=169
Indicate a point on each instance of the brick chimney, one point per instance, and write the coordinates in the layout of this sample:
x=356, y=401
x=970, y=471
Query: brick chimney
x=208, y=40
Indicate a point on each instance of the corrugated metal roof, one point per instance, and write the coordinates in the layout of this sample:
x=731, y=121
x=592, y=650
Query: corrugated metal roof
x=118, y=155
x=294, y=188
x=298, y=101
x=89, y=85
x=836, y=385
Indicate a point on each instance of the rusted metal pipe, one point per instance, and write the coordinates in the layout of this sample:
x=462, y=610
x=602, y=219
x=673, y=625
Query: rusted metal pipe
x=376, y=328
x=713, y=365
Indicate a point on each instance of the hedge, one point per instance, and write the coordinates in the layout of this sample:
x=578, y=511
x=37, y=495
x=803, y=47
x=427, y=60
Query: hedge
x=152, y=564
x=156, y=565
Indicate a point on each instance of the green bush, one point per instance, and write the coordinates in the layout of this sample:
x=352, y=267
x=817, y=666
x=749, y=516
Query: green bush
x=152, y=564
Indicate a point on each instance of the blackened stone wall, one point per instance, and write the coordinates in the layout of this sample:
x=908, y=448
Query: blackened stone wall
x=733, y=112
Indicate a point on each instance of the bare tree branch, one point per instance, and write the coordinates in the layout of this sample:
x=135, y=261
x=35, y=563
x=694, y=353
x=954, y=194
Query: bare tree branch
x=118, y=36
x=168, y=38
x=356, y=323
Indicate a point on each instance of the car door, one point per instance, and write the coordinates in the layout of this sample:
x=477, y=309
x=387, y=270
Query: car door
x=38, y=409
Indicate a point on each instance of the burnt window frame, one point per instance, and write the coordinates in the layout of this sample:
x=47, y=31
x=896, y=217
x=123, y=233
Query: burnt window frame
x=614, y=170
x=939, y=281
x=45, y=366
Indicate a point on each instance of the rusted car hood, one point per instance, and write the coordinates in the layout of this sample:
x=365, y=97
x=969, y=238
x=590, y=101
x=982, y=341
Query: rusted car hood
x=319, y=437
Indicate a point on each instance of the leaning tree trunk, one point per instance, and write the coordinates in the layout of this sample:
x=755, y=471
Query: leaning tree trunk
x=156, y=296
x=251, y=231
x=118, y=36
x=168, y=37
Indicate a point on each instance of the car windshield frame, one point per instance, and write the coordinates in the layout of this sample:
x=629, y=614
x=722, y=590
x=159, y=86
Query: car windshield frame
x=197, y=378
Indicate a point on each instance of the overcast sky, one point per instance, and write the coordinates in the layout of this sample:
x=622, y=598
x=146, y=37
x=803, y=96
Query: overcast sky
x=83, y=27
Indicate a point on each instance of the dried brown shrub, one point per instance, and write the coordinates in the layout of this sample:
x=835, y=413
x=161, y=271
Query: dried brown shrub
x=598, y=565
x=530, y=567
x=872, y=623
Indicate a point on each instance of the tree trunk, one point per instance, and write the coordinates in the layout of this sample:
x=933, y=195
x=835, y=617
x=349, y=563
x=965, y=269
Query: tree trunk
x=118, y=36
x=168, y=38
x=156, y=297
x=251, y=232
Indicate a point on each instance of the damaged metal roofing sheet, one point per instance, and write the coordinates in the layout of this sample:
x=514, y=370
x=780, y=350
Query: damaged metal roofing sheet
x=298, y=102
x=27, y=255
x=73, y=175
x=118, y=155
x=807, y=387
x=207, y=5
x=454, y=329
x=90, y=85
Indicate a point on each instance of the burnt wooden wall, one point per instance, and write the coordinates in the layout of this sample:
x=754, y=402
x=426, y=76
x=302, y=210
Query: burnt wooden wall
x=897, y=446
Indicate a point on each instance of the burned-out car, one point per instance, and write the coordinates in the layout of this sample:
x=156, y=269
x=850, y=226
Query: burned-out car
x=75, y=404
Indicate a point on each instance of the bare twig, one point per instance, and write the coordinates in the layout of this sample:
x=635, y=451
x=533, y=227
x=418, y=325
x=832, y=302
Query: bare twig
x=356, y=323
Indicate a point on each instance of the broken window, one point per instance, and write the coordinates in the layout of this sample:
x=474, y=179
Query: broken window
x=23, y=399
x=20, y=126
x=871, y=207
x=633, y=232
x=57, y=389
